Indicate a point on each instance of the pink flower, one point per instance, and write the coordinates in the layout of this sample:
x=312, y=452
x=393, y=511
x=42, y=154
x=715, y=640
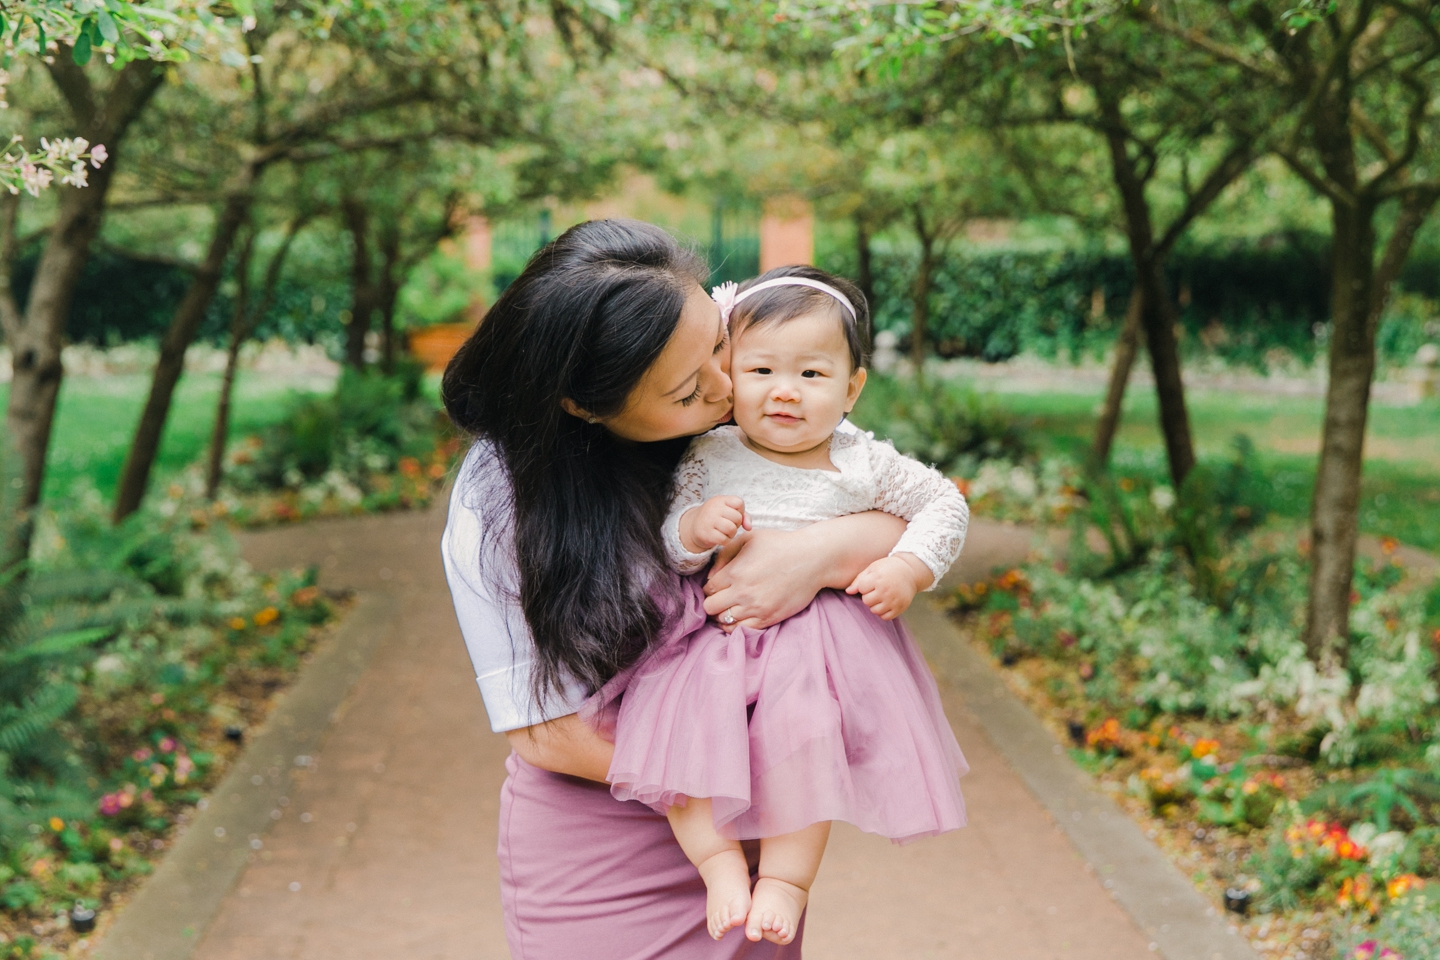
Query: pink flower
x=167, y=745
x=725, y=296
x=98, y=155
x=110, y=805
x=141, y=755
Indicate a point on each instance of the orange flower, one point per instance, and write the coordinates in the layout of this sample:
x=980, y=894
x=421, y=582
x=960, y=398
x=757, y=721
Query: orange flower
x=1388, y=545
x=267, y=616
x=39, y=868
x=57, y=824
x=237, y=623
x=1402, y=885
x=305, y=596
x=1204, y=748
x=1104, y=737
x=1358, y=892
x=409, y=466
x=436, y=471
x=962, y=485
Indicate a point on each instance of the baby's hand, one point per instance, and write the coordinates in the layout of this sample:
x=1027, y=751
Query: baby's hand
x=889, y=585
x=712, y=523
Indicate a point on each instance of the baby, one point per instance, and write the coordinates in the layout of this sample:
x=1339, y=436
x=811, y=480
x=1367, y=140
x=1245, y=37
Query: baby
x=831, y=714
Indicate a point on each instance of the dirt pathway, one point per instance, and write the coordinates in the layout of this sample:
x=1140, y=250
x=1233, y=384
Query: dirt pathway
x=387, y=848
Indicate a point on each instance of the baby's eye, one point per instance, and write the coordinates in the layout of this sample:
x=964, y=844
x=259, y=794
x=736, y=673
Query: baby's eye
x=810, y=374
x=763, y=371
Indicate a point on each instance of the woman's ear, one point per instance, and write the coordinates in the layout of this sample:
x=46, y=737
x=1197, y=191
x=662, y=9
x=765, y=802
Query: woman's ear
x=575, y=410
x=853, y=388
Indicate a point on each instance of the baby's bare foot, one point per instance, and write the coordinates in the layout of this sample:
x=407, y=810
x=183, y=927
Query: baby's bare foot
x=775, y=911
x=727, y=892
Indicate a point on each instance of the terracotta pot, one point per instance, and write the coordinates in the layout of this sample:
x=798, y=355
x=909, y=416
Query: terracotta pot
x=435, y=345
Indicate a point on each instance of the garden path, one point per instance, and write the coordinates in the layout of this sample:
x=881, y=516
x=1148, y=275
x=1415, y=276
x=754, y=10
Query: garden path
x=387, y=848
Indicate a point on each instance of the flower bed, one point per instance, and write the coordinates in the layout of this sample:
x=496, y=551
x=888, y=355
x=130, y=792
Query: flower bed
x=1311, y=802
x=192, y=649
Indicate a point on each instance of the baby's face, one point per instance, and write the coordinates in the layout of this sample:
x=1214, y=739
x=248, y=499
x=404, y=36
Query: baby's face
x=793, y=382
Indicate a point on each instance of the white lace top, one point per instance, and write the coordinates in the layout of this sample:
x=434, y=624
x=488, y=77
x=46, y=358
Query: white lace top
x=872, y=476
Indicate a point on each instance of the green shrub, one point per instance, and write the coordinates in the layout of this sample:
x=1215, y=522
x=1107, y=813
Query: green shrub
x=365, y=427
x=1408, y=930
x=940, y=423
x=1239, y=301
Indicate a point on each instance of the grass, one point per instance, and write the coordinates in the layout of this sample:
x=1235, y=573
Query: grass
x=96, y=417
x=1401, y=488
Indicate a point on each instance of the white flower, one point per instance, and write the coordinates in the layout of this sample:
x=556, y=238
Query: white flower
x=1163, y=497
x=35, y=178
x=247, y=24
x=725, y=296
x=98, y=155
x=79, y=175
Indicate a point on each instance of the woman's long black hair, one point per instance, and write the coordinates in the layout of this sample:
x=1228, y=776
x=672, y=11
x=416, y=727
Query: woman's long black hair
x=585, y=320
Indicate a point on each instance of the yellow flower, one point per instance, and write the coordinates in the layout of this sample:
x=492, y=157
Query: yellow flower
x=267, y=616
x=57, y=824
x=237, y=623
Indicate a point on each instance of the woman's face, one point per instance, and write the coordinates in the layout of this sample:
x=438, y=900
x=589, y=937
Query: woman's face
x=686, y=391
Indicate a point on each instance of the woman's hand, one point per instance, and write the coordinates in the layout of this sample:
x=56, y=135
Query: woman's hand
x=565, y=745
x=764, y=576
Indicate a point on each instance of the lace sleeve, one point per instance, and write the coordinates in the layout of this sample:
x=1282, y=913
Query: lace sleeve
x=932, y=505
x=690, y=482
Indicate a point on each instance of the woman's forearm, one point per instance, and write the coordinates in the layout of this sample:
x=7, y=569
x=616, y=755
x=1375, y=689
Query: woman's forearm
x=769, y=575
x=565, y=745
x=849, y=544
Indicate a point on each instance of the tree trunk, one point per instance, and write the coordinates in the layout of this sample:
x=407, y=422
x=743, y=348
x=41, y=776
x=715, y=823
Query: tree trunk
x=1157, y=313
x=241, y=328
x=36, y=344
x=920, y=294
x=1358, y=294
x=387, y=293
x=865, y=267
x=363, y=295
x=135, y=476
x=215, y=466
x=1126, y=347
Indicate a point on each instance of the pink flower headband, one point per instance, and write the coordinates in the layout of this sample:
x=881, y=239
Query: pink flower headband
x=728, y=298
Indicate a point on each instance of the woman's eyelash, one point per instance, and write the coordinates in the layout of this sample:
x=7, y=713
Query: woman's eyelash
x=686, y=401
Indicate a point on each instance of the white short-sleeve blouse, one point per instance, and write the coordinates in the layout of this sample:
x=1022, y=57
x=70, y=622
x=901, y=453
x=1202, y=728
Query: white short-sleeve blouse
x=496, y=634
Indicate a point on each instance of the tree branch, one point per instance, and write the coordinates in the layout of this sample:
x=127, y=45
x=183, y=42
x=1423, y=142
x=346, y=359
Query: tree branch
x=1235, y=162
x=158, y=259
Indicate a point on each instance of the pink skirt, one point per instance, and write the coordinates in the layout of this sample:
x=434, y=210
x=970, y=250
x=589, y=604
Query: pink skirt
x=829, y=715
x=583, y=876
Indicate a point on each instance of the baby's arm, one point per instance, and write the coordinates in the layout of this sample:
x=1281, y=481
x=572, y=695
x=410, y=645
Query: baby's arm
x=937, y=517
x=714, y=522
x=695, y=526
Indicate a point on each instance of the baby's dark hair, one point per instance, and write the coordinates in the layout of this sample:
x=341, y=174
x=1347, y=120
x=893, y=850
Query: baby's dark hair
x=782, y=303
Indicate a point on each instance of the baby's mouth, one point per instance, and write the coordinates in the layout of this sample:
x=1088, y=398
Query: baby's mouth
x=784, y=417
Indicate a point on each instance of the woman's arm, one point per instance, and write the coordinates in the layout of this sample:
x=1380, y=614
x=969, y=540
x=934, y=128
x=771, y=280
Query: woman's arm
x=565, y=745
x=767, y=575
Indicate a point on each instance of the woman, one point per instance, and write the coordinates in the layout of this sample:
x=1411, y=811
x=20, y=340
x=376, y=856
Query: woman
x=582, y=387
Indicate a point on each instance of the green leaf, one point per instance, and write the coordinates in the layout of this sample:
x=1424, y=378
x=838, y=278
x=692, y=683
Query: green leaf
x=246, y=8
x=56, y=644
x=41, y=28
x=81, y=51
x=108, y=29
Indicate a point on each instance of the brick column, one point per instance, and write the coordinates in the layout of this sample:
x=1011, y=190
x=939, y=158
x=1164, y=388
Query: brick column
x=787, y=232
x=476, y=250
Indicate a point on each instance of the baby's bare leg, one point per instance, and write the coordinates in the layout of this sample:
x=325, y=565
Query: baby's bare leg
x=788, y=865
x=721, y=864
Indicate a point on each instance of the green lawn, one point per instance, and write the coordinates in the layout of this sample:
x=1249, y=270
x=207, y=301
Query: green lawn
x=1402, y=467
x=96, y=420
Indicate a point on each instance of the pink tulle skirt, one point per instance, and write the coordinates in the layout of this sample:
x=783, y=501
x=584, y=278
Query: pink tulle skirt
x=829, y=715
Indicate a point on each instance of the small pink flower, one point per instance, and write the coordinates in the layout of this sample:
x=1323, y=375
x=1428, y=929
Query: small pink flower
x=110, y=805
x=98, y=155
x=167, y=745
x=141, y=755
x=725, y=296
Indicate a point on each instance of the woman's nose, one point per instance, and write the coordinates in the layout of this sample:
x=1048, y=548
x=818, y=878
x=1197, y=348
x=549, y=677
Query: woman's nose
x=717, y=383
